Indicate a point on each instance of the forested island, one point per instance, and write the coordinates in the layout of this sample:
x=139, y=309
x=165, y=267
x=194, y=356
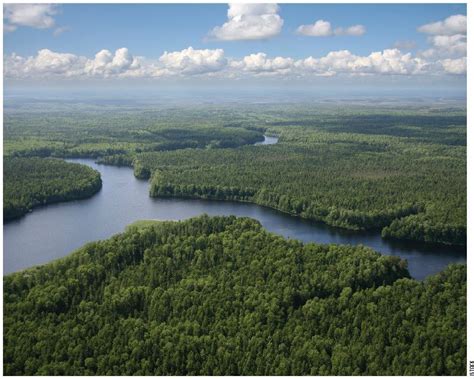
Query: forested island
x=399, y=170
x=30, y=182
x=221, y=296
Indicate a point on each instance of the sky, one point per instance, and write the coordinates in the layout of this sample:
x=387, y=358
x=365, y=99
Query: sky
x=227, y=45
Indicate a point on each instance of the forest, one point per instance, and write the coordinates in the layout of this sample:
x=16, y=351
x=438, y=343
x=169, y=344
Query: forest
x=30, y=182
x=397, y=169
x=76, y=131
x=222, y=296
x=409, y=182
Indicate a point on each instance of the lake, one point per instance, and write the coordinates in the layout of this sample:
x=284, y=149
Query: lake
x=56, y=230
x=269, y=140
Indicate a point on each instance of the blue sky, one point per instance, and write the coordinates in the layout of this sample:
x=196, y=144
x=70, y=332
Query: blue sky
x=150, y=29
x=72, y=34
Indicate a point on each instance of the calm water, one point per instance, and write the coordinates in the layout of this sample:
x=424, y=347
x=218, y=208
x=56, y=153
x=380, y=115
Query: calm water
x=56, y=230
x=268, y=141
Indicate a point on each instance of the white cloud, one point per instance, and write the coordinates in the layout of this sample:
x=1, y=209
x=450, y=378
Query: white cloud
x=454, y=66
x=322, y=28
x=387, y=62
x=39, y=16
x=260, y=64
x=456, y=24
x=450, y=45
x=249, y=22
x=45, y=63
x=48, y=63
x=193, y=62
x=354, y=30
x=447, y=38
x=107, y=64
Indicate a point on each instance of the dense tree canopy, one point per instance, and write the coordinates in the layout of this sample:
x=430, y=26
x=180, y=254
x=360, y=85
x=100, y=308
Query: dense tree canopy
x=413, y=188
x=29, y=182
x=221, y=296
x=87, y=131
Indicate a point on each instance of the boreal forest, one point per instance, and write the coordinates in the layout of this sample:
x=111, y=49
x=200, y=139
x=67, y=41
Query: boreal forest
x=221, y=296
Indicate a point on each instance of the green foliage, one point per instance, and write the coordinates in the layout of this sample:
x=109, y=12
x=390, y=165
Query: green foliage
x=29, y=182
x=351, y=180
x=79, y=131
x=221, y=296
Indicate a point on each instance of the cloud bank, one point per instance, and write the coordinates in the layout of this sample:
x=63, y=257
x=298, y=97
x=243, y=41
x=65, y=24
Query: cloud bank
x=214, y=63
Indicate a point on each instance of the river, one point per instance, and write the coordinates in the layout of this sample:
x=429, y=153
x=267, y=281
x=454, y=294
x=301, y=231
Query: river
x=55, y=230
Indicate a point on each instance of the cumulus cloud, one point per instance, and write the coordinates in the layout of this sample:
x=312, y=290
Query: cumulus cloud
x=107, y=64
x=260, y=64
x=447, y=38
x=121, y=63
x=450, y=44
x=39, y=16
x=249, y=22
x=456, y=24
x=389, y=61
x=48, y=63
x=193, y=62
x=322, y=28
x=45, y=63
x=454, y=66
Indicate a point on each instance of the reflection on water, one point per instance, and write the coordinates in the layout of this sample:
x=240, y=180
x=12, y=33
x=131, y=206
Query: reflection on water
x=55, y=230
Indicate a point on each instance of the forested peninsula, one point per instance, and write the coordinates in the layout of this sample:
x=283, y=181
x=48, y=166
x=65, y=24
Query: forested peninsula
x=222, y=296
x=31, y=182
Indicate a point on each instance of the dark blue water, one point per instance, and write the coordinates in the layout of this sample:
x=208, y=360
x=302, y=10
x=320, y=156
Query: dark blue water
x=56, y=230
